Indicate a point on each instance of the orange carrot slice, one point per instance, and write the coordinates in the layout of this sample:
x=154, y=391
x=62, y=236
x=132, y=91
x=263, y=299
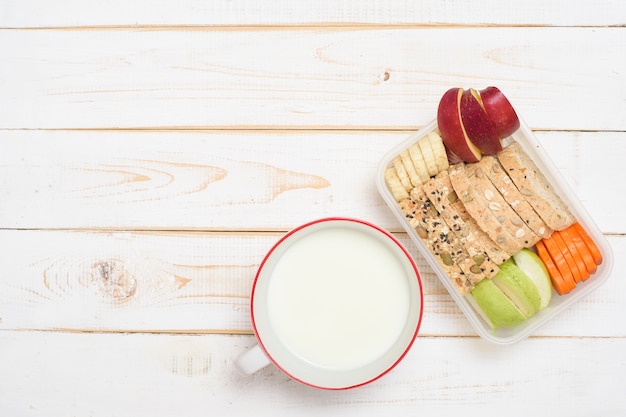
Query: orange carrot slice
x=569, y=259
x=578, y=256
x=557, y=256
x=553, y=271
x=595, y=252
x=584, y=251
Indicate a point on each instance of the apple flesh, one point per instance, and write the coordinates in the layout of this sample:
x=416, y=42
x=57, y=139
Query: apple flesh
x=518, y=287
x=495, y=307
x=451, y=127
x=533, y=267
x=478, y=126
x=500, y=111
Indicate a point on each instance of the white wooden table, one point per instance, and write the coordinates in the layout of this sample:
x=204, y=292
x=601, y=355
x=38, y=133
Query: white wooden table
x=152, y=151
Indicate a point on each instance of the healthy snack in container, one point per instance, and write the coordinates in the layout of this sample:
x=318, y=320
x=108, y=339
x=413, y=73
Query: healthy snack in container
x=491, y=215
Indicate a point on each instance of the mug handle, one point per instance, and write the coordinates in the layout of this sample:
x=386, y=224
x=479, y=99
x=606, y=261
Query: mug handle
x=251, y=360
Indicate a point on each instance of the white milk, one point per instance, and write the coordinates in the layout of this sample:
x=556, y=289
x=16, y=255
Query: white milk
x=338, y=298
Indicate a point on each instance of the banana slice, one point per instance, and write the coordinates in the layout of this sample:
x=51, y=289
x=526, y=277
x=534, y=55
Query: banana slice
x=429, y=156
x=395, y=185
x=418, y=162
x=410, y=168
x=402, y=174
x=439, y=150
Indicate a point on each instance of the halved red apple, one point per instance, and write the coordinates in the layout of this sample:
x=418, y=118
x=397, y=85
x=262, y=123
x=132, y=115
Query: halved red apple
x=452, y=157
x=451, y=127
x=500, y=111
x=478, y=126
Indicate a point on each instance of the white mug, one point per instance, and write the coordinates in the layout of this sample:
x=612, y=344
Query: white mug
x=335, y=304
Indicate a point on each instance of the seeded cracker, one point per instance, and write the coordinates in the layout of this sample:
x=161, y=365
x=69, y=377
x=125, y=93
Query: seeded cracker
x=476, y=206
x=439, y=239
x=500, y=208
x=439, y=191
x=496, y=253
x=501, y=180
x=535, y=187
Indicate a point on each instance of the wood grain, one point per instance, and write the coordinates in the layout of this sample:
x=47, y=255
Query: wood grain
x=319, y=78
x=199, y=282
x=42, y=13
x=122, y=373
x=152, y=151
x=239, y=180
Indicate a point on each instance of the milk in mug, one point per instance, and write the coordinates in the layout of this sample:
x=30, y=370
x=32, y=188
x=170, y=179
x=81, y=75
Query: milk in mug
x=338, y=298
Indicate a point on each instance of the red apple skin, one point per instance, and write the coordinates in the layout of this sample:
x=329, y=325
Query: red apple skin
x=500, y=111
x=451, y=127
x=478, y=126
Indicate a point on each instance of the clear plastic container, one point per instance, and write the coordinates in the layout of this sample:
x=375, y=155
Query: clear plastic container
x=503, y=335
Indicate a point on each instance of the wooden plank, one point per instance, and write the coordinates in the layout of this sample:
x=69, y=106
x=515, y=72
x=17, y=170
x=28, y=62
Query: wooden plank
x=42, y=13
x=118, y=281
x=373, y=78
x=58, y=374
x=239, y=180
x=200, y=282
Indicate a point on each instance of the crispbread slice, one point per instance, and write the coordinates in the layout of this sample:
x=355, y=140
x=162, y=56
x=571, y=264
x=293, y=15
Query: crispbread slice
x=494, y=251
x=476, y=206
x=500, y=208
x=500, y=179
x=533, y=185
x=440, y=192
x=438, y=238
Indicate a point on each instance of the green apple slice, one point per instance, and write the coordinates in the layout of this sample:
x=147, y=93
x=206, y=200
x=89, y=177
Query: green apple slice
x=495, y=307
x=531, y=264
x=517, y=286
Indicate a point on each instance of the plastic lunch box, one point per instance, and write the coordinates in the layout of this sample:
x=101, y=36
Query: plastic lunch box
x=504, y=335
